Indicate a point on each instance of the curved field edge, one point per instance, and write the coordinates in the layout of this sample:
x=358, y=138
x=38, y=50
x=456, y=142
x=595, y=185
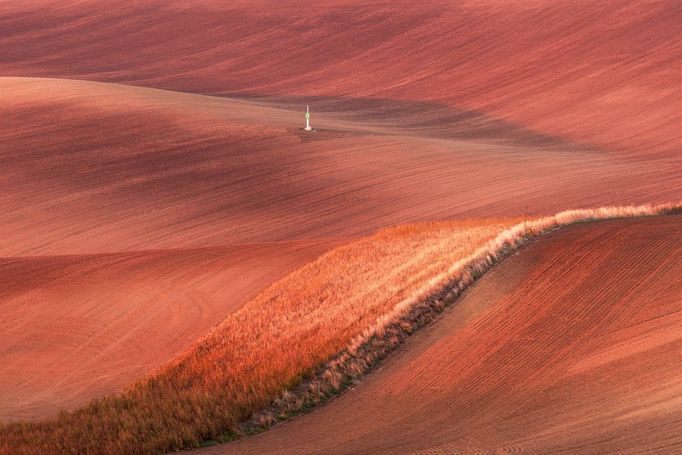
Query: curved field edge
x=251, y=372
x=367, y=350
x=569, y=345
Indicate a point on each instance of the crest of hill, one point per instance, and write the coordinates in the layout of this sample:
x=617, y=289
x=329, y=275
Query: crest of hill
x=605, y=73
x=92, y=167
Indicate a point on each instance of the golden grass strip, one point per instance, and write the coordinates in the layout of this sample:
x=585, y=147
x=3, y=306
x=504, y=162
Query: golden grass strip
x=422, y=307
x=301, y=340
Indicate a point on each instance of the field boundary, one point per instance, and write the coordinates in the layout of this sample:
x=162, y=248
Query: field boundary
x=385, y=336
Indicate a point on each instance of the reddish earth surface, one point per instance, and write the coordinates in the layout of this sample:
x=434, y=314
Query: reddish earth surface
x=77, y=327
x=607, y=73
x=424, y=112
x=90, y=167
x=571, y=345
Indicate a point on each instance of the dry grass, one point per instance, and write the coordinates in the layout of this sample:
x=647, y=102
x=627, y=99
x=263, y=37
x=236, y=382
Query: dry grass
x=317, y=327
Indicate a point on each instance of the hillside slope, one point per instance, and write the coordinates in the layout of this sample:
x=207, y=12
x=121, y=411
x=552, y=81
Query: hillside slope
x=605, y=73
x=153, y=175
x=570, y=345
x=89, y=167
x=80, y=327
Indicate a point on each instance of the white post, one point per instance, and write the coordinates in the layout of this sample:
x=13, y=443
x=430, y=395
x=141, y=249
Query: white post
x=307, y=119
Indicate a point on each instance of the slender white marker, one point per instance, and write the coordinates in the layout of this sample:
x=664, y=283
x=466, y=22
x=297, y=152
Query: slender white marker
x=307, y=119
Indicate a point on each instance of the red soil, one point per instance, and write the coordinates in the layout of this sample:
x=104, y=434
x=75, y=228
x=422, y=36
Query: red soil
x=573, y=343
x=606, y=73
x=78, y=327
x=89, y=168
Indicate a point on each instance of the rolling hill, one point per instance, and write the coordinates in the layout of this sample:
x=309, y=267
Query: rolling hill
x=80, y=327
x=571, y=345
x=603, y=73
x=156, y=186
x=90, y=167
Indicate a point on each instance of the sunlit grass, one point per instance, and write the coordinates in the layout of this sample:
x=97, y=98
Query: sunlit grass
x=280, y=337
